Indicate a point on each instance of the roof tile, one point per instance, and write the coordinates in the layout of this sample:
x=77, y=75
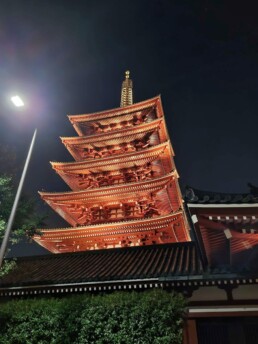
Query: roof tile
x=142, y=262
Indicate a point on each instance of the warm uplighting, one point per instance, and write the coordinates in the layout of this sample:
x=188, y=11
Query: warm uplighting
x=17, y=101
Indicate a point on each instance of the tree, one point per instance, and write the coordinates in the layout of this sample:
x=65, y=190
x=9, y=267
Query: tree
x=26, y=219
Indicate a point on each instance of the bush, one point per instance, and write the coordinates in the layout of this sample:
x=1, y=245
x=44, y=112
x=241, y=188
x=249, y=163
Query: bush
x=153, y=317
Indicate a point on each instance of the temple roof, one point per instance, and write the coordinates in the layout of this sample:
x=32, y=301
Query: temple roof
x=176, y=265
x=97, y=229
x=112, y=163
x=228, y=240
x=116, y=142
x=195, y=196
x=156, y=101
x=226, y=226
x=134, y=232
x=134, y=264
x=109, y=191
x=129, y=227
x=148, y=163
x=74, y=205
x=114, y=136
x=108, y=120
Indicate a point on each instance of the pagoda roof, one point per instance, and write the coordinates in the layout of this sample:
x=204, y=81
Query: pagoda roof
x=155, y=101
x=66, y=239
x=105, y=235
x=109, y=191
x=97, y=229
x=107, y=269
x=69, y=204
x=91, y=127
x=114, y=137
x=112, y=163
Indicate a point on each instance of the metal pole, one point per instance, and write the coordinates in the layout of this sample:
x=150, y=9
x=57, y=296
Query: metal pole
x=16, y=201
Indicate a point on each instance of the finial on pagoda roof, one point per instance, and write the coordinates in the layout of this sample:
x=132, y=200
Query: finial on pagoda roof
x=127, y=91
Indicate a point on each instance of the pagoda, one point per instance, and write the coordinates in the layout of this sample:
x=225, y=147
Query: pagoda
x=124, y=183
x=124, y=193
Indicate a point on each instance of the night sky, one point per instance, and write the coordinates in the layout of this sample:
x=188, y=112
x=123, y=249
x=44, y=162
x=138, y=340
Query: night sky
x=69, y=57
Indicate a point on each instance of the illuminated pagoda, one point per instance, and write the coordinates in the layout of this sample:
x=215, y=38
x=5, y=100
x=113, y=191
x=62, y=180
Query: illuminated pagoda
x=124, y=183
x=124, y=193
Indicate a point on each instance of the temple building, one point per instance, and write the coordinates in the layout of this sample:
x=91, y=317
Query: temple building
x=129, y=228
x=124, y=181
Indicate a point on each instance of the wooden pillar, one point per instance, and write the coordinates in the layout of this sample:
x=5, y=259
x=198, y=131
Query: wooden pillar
x=190, y=332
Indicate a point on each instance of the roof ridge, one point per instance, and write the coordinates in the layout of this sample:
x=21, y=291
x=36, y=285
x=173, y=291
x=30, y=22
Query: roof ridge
x=106, y=251
x=93, y=138
x=117, y=109
x=110, y=187
x=108, y=158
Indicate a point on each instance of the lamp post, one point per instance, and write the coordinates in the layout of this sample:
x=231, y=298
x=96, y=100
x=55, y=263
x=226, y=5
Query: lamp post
x=17, y=102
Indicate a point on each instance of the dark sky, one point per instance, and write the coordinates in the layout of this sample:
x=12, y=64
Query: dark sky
x=69, y=57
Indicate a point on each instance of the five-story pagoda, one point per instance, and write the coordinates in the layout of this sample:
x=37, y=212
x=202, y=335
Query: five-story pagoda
x=124, y=183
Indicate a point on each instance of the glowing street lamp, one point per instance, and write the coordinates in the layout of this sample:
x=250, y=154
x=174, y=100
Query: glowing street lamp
x=17, y=101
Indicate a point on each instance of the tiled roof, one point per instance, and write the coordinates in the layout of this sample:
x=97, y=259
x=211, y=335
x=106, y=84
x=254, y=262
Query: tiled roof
x=110, y=163
x=176, y=266
x=117, y=111
x=101, y=140
x=145, y=262
x=208, y=197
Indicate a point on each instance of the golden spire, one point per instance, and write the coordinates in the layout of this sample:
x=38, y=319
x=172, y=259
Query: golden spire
x=127, y=91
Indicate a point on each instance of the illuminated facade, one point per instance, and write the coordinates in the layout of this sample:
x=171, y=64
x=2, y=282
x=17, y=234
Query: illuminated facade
x=124, y=182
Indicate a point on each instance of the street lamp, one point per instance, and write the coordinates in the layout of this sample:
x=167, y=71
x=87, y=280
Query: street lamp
x=17, y=101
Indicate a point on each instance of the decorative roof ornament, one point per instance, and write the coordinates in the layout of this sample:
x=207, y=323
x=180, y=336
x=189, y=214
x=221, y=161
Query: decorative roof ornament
x=127, y=91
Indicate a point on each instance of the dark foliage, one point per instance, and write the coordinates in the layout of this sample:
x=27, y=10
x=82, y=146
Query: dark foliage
x=153, y=317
